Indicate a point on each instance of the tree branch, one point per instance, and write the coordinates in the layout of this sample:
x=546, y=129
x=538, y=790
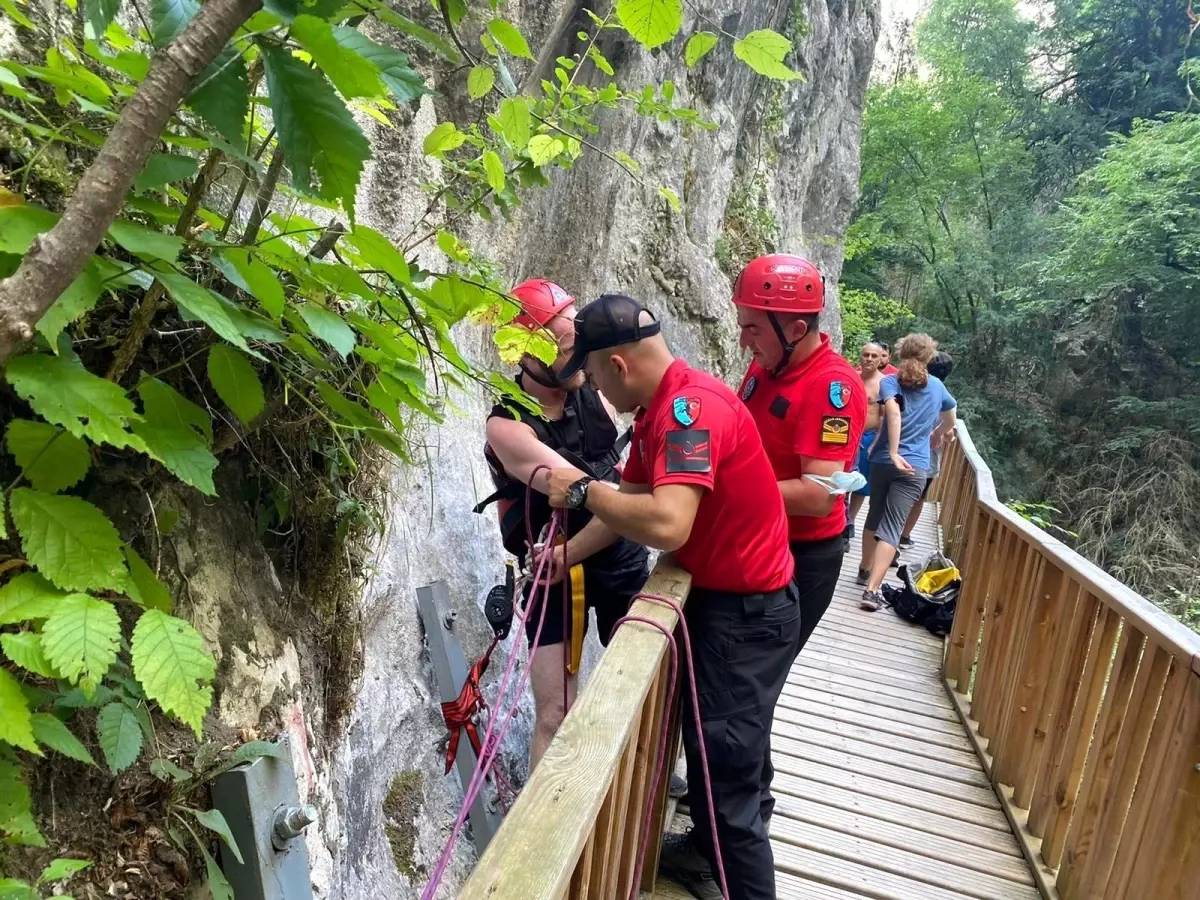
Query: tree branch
x=266, y=191
x=57, y=257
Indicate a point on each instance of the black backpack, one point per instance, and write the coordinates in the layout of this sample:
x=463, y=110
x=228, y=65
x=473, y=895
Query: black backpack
x=935, y=611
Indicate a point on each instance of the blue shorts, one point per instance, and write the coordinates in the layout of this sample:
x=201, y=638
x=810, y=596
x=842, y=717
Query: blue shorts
x=864, y=445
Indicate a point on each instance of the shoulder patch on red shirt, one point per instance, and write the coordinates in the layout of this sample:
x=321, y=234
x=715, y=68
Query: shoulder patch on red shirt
x=689, y=451
x=835, y=430
x=839, y=394
x=748, y=390
x=686, y=410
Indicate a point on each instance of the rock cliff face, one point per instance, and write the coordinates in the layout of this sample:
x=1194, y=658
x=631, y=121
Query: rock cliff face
x=386, y=809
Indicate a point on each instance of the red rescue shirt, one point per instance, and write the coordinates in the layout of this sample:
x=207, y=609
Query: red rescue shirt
x=696, y=432
x=816, y=409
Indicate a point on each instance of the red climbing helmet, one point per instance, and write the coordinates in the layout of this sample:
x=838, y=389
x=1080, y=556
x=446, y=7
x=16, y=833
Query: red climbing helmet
x=780, y=282
x=540, y=301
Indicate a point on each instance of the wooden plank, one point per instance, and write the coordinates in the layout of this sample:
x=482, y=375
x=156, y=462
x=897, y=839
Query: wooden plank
x=991, y=685
x=1079, y=849
x=604, y=875
x=1146, y=794
x=790, y=709
x=997, y=839
x=580, y=762
x=1126, y=765
x=837, y=633
x=647, y=734
x=813, y=725
x=787, y=887
x=847, y=670
x=1031, y=846
x=1027, y=611
x=964, y=636
x=930, y=765
x=894, y=712
x=660, y=800
x=937, y=874
x=942, y=846
x=790, y=755
x=993, y=606
x=1167, y=865
x=879, y=627
x=787, y=774
x=866, y=880
x=833, y=683
x=1073, y=677
x=916, y=677
x=1068, y=769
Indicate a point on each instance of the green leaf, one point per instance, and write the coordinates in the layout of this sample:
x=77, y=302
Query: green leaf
x=175, y=670
x=316, y=131
x=514, y=122
x=236, y=382
x=163, y=404
x=600, y=60
x=120, y=736
x=19, y=225
x=165, y=770
x=62, y=391
x=393, y=65
x=260, y=279
x=764, y=52
x=80, y=296
x=141, y=241
x=51, y=459
x=322, y=9
x=100, y=13
x=543, y=148
x=16, y=817
x=198, y=303
x=651, y=22
x=144, y=587
x=28, y=596
x=11, y=888
x=222, y=94
x=70, y=541
x=509, y=37
x=430, y=39
x=444, y=138
x=481, y=80
x=328, y=326
x=213, y=820
x=14, y=13
x=698, y=46
x=185, y=455
x=379, y=253
x=164, y=168
x=61, y=869
x=25, y=649
x=671, y=197
x=252, y=750
x=169, y=17
x=453, y=247
x=81, y=640
x=16, y=727
x=51, y=732
x=218, y=884
x=494, y=167
x=352, y=75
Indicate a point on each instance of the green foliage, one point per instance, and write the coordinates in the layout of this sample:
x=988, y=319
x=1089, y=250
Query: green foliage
x=50, y=458
x=236, y=382
x=867, y=316
x=120, y=736
x=16, y=727
x=52, y=733
x=81, y=640
x=698, y=46
x=764, y=51
x=172, y=666
x=651, y=22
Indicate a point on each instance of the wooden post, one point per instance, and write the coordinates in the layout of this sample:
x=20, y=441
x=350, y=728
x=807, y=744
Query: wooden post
x=1022, y=625
x=999, y=566
x=964, y=636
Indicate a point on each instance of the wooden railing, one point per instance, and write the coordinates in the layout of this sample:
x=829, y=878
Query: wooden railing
x=1082, y=697
x=575, y=830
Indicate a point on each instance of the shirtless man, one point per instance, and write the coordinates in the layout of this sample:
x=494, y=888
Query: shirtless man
x=871, y=361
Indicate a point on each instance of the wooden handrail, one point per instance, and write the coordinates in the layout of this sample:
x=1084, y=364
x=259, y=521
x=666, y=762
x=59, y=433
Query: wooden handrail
x=1081, y=696
x=576, y=827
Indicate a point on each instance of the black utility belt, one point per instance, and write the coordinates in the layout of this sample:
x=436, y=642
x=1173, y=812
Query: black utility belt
x=823, y=547
x=734, y=601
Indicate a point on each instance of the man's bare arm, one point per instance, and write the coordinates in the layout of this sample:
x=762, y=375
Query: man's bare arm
x=520, y=452
x=804, y=497
x=662, y=518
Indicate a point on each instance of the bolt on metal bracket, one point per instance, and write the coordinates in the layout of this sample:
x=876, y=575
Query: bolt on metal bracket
x=262, y=806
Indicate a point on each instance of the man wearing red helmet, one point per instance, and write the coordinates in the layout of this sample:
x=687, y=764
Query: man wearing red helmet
x=576, y=427
x=810, y=408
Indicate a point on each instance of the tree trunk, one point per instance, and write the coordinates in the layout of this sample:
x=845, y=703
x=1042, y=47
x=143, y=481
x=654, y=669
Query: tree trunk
x=58, y=256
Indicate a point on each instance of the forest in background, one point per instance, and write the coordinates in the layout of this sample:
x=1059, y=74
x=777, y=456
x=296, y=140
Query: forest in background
x=1030, y=196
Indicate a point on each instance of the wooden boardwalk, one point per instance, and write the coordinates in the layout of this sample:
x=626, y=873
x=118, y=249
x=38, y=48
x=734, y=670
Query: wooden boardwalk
x=878, y=791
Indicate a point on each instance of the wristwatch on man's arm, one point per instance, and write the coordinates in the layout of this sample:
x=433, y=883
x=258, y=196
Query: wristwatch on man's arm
x=577, y=492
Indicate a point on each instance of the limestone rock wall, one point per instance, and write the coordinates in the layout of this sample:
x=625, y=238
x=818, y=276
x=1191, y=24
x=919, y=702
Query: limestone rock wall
x=385, y=807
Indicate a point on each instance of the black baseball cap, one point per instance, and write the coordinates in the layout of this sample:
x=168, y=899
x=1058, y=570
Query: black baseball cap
x=608, y=321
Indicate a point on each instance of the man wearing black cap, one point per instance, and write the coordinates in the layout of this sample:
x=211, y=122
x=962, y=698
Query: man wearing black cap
x=699, y=483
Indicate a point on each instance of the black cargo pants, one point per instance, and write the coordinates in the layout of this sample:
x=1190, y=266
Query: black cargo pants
x=818, y=567
x=743, y=647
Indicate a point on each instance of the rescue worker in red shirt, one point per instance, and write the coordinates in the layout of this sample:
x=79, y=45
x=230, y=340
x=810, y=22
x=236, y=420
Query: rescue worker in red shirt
x=810, y=408
x=575, y=425
x=699, y=483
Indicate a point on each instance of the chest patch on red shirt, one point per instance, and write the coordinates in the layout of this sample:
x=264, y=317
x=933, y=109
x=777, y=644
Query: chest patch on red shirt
x=835, y=430
x=779, y=407
x=689, y=451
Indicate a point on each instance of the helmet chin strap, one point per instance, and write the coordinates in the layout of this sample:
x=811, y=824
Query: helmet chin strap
x=546, y=378
x=783, y=342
